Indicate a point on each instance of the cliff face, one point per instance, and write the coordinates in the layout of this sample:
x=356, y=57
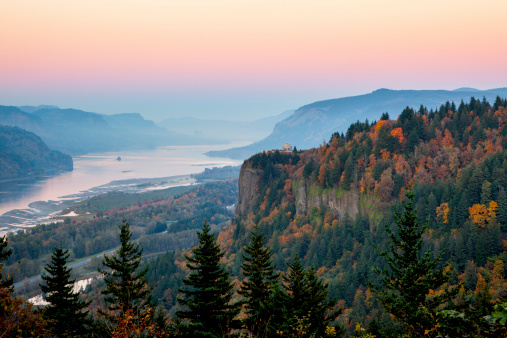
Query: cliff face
x=247, y=188
x=338, y=201
x=306, y=195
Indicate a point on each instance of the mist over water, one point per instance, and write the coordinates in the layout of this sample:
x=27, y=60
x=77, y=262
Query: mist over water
x=95, y=170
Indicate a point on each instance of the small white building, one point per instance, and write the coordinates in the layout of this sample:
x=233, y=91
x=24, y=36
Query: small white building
x=286, y=147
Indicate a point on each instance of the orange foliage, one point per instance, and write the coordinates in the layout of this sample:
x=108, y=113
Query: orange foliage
x=447, y=141
x=398, y=133
x=17, y=318
x=385, y=154
x=287, y=189
x=403, y=168
x=380, y=124
x=129, y=326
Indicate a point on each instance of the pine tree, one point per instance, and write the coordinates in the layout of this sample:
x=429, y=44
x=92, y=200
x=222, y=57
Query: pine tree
x=502, y=207
x=411, y=275
x=300, y=306
x=208, y=293
x=68, y=313
x=126, y=287
x=259, y=269
x=4, y=254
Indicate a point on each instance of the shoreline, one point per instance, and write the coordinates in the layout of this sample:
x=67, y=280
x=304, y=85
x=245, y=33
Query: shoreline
x=39, y=212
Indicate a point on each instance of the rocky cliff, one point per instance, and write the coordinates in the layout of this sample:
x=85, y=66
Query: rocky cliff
x=247, y=188
x=338, y=201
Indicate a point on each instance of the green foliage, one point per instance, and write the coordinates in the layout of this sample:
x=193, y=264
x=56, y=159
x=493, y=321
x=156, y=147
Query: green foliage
x=183, y=208
x=206, y=297
x=500, y=315
x=126, y=286
x=300, y=307
x=411, y=276
x=258, y=269
x=4, y=254
x=68, y=314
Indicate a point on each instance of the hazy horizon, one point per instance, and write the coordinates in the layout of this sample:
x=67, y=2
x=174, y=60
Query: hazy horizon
x=241, y=60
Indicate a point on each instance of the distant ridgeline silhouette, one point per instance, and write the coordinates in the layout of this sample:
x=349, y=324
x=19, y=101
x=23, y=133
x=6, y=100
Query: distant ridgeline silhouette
x=315, y=122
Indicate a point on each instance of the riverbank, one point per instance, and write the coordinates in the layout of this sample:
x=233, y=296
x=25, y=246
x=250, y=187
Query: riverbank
x=50, y=211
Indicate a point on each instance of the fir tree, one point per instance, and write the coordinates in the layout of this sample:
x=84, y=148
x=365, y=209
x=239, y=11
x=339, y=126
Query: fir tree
x=208, y=293
x=258, y=267
x=67, y=313
x=4, y=254
x=126, y=287
x=411, y=275
x=300, y=306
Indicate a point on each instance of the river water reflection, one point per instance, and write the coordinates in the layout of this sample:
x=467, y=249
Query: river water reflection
x=94, y=170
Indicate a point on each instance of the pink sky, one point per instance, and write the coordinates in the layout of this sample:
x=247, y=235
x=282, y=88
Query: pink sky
x=230, y=59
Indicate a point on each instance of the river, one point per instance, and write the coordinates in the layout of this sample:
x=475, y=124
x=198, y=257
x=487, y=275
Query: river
x=26, y=202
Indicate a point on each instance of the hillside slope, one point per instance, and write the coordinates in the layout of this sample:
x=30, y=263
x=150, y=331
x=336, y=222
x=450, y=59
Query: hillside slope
x=328, y=205
x=315, y=122
x=23, y=153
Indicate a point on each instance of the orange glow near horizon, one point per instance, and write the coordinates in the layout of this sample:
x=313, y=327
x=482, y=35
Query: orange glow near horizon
x=94, y=45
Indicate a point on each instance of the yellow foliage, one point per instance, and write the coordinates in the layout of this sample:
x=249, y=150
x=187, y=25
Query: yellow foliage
x=481, y=283
x=442, y=211
x=492, y=209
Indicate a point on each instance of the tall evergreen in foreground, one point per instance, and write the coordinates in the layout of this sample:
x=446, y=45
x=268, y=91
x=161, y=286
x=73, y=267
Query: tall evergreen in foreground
x=207, y=296
x=67, y=313
x=300, y=306
x=126, y=287
x=411, y=275
x=258, y=268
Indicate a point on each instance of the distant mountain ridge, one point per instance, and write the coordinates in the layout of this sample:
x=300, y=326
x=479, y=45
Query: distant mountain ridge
x=311, y=124
x=76, y=131
x=23, y=153
x=225, y=130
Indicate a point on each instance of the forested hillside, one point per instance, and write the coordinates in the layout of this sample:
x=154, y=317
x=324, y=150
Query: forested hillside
x=335, y=230
x=328, y=205
x=23, y=153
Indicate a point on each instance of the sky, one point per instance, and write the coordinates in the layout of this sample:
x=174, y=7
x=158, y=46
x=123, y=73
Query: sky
x=241, y=60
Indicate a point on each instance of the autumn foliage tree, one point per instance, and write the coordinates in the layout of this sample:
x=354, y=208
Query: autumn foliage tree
x=16, y=316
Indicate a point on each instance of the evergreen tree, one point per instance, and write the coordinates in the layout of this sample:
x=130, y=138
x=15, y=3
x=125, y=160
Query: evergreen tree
x=67, y=313
x=502, y=206
x=4, y=254
x=411, y=275
x=259, y=269
x=208, y=293
x=126, y=288
x=300, y=306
